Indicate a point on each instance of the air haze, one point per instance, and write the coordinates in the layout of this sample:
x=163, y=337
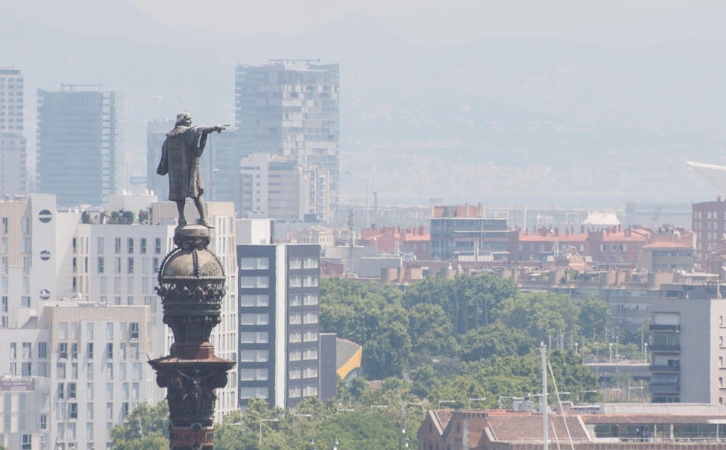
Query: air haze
x=563, y=102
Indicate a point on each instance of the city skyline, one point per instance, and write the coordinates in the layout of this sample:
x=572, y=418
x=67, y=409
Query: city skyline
x=507, y=120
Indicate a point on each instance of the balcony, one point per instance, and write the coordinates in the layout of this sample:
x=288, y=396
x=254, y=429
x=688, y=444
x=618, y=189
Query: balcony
x=666, y=328
x=664, y=368
x=664, y=388
x=668, y=347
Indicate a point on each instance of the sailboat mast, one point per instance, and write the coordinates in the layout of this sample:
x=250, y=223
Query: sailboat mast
x=545, y=438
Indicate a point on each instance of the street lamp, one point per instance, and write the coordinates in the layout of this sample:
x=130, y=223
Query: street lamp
x=299, y=415
x=445, y=401
x=265, y=420
x=476, y=399
x=611, y=353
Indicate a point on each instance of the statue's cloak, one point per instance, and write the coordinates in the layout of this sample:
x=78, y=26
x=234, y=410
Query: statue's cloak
x=180, y=159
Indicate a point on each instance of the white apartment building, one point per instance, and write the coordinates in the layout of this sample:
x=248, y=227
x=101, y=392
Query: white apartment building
x=76, y=269
x=273, y=187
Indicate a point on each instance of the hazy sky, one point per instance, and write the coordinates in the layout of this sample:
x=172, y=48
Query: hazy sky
x=613, y=22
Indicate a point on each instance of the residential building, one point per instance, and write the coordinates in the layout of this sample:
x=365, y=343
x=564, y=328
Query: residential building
x=80, y=159
x=465, y=230
x=709, y=225
x=60, y=271
x=98, y=370
x=279, y=346
x=13, y=154
x=687, y=349
x=273, y=187
x=291, y=108
x=254, y=231
x=411, y=243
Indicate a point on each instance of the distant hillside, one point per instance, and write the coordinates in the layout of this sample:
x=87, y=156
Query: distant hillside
x=541, y=121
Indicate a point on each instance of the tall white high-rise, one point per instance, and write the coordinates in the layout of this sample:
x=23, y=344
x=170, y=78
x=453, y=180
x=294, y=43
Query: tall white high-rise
x=291, y=108
x=13, y=155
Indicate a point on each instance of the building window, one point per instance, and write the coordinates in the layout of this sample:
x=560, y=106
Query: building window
x=310, y=300
x=63, y=350
x=253, y=392
x=310, y=318
x=254, y=282
x=134, y=330
x=157, y=246
x=254, y=300
x=254, y=355
x=109, y=350
x=254, y=319
x=253, y=374
x=89, y=350
x=100, y=264
x=310, y=336
x=254, y=337
x=130, y=245
x=117, y=245
x=310, y=263
x=42, y=350
x=254, y=263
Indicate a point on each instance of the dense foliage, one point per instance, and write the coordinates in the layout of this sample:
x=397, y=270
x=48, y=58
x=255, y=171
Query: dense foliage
x=146, y=428
x=475, y=336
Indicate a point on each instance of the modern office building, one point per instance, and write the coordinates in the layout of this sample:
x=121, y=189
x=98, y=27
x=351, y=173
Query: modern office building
x=291, y=108
x=80, y=159
x=13, y=154
x=279, y=346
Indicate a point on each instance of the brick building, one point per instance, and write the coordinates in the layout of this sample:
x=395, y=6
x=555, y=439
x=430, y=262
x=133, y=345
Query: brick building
x=592, y=427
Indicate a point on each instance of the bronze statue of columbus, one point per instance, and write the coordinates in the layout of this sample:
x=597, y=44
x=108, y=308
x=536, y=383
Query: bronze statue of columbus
x=180, y=155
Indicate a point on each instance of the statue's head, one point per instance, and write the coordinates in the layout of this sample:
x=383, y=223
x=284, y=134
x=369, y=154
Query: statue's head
x=183, y=118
